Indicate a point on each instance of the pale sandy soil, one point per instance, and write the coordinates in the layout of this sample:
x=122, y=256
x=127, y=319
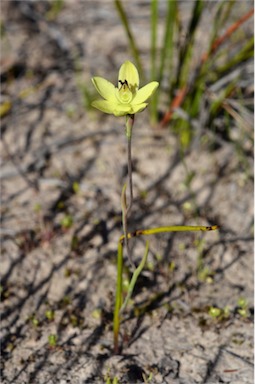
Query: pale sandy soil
x=50, y=145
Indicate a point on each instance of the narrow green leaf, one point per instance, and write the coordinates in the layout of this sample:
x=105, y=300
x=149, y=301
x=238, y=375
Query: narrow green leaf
x=186, y=50
x=118, y=298
x=154, y=21
x=168, y=45
x=136, y=273
x=131, y=40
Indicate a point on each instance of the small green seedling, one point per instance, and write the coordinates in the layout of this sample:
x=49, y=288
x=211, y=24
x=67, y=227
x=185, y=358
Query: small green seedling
x=215, y=312
x=52, y=340
x=37, y=208
x=97, y=313
x=218, y=313
x=76, y=187
x=66, y=222
x=109, y=380
x=147, y=379
x=55, y=8
x=115, y=380
x=242, y=307
x=34, y=321
x=50, y=315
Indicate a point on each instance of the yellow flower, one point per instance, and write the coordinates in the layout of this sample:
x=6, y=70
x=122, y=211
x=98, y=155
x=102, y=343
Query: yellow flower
x=127, y=98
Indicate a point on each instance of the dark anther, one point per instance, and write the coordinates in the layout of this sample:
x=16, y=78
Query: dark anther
x=123, y=82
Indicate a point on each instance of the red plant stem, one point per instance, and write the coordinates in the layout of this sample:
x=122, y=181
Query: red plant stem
x=177, y=101
x=217, y=42
x=215, y=45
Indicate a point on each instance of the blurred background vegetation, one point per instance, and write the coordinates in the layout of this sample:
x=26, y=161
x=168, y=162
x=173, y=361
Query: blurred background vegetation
x=205, y=94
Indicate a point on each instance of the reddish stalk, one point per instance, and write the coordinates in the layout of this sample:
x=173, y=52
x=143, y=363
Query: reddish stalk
x=217, y=42
x=177, y=101
x=215, y=45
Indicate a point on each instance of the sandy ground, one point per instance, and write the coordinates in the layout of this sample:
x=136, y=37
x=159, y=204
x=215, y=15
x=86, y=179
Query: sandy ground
x=63, y=164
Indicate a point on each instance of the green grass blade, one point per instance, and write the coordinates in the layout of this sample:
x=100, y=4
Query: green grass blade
x=217, y=104
x=136, y=273
x=221, y=18
x=153, y=56
x=154, y=22
x=168, y=45
x=186, y=51
x=118, y=298
x=131, y=40
x=244, y=54
x=171, y=228
x=177, y=228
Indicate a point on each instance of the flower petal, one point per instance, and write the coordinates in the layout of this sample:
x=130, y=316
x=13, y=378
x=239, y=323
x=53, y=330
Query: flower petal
x=104, y=88
x=138, y=108
x=145, y=92
x=111, y=107
x=122, y=109
x=104, y=106
x=129, y=73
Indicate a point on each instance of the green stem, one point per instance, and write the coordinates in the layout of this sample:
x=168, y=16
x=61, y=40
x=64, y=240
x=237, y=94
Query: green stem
x=172, y=228
x=129, y=125
x=136, y=273
x=118, y=299
x=126, y=210
x=124, y=223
